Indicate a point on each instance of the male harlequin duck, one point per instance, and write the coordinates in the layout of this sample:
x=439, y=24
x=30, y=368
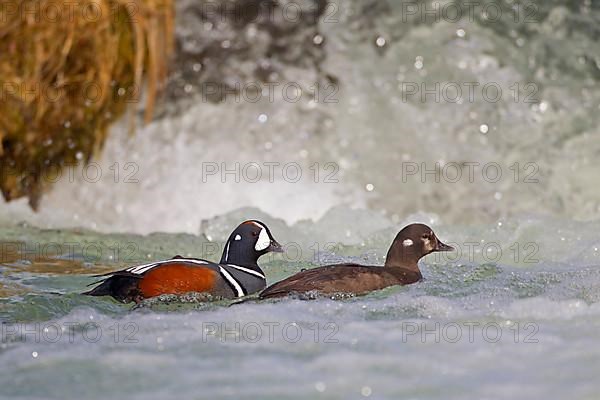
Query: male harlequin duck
x=401, y=268
x=236, y=275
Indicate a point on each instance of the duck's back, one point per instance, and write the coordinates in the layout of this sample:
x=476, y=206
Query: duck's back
x=341, y=278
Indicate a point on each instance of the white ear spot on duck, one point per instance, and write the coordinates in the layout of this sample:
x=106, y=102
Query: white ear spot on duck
x=237, y=237
x=407, y=243
x=263, y=240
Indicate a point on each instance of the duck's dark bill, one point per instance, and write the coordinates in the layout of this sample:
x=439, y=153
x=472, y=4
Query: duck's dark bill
x=443, y=247
x=275, y=247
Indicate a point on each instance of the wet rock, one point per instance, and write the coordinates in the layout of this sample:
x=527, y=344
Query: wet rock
x=225, y=47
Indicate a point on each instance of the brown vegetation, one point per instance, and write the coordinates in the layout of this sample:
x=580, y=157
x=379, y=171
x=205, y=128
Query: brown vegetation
x=67, y=70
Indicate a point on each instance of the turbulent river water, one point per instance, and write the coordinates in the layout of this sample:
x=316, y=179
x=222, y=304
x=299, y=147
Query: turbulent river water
x=513, y=312
x=507, y=174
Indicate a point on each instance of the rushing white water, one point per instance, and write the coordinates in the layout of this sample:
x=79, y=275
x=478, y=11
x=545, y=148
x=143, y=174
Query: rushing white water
x=513, y=313
x=498, y=103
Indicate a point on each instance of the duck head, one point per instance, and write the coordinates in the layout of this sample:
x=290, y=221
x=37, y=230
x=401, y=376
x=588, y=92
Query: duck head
x=411, y=244
x=248, y=242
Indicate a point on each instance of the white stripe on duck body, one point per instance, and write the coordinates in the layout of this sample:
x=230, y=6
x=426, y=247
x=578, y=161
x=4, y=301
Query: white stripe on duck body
x=236, y=275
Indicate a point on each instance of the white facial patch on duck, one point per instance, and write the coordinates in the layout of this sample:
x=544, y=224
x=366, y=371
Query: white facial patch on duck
x=407, y=243
x=263, y=240
x=237, y=237
x=428, y=245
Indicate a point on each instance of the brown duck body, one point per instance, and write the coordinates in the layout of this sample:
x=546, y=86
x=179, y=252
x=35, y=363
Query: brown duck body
x=401, y=268
x=343, y=278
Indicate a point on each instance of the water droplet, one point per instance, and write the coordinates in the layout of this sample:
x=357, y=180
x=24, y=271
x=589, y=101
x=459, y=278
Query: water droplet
x=226, y=44
x=318, y=39
x=460, y=33
x=366, y=391
x=484, y=128
x=252, y=31
x=34, y=354
x=188, y=88
x=268, y=145
x=380, y=41
x=262, y=118
x=498, y=196
x=320, y=386
x=197, y=67
x=67, y=124
x=79, y=155
x=419, y=62
x=121, y=92
x=370, y=187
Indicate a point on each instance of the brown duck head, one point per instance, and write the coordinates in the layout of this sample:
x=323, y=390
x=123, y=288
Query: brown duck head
x=411, y=244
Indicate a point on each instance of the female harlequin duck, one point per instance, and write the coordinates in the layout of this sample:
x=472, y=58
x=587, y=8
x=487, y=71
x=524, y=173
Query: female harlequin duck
x=401, y=268
x=236, y=275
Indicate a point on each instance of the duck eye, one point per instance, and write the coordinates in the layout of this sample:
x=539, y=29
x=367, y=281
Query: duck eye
x=254, y=233
x=425, y=236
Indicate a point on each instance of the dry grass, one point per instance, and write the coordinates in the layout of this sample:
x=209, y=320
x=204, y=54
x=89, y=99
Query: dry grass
x=68, y=68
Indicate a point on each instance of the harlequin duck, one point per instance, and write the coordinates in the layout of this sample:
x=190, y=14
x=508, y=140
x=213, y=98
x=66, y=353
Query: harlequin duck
x=401, y=268
x=236, y=275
